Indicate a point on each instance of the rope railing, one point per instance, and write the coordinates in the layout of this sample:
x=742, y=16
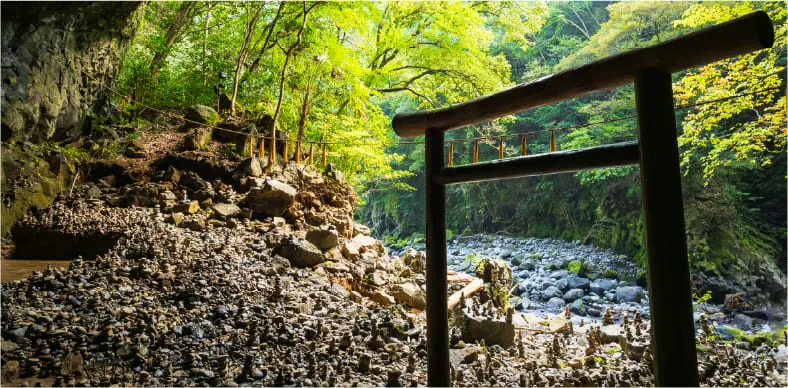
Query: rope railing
x=260, y=139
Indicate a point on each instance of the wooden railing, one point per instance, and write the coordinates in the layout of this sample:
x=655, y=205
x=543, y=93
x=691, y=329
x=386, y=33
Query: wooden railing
x=656, y=151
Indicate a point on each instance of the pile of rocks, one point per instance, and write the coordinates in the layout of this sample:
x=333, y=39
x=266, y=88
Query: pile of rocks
x=265, y=279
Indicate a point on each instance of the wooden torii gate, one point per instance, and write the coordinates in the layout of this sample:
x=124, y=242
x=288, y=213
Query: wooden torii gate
x=656, y=151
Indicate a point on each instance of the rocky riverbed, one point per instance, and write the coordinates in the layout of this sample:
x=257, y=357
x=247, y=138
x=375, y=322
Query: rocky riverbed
x=553, y=274
x=251, y=278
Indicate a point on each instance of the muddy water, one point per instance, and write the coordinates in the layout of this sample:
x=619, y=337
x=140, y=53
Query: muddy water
x=11, y=270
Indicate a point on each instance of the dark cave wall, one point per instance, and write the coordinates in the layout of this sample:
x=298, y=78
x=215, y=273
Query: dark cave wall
x=56, y=58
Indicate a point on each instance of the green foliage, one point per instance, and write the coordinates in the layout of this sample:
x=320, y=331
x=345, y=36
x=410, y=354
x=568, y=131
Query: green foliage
x=746, y=132
x=610, y=274
x=576, y=267
x=473, y=258
x=703, y=298
x=229, y=150
x=757, y=339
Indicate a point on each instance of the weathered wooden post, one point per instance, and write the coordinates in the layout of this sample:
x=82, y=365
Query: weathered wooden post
x=437, y=315
x=672, y=327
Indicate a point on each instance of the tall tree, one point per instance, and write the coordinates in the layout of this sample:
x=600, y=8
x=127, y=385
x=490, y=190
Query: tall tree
x=250, y=27
x=182, y=19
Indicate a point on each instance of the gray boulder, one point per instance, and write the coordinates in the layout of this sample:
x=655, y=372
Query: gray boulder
x=629, y=294
x=573, y=294
x=301, y=253
x=600, y=286
x=491, y=331
x=556, y=303
x=551, y=292
x=562, y=284
x=577, y=307
x=575, y=281
x=742, y=321
x=249, y=167
x=273, y=199
x=528, y=264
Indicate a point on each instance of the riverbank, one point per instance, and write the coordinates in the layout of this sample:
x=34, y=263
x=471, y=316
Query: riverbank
x=229, y=275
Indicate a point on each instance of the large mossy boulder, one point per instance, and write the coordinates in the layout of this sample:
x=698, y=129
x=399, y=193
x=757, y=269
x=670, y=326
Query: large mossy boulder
x=200, y=114
x=199, y=139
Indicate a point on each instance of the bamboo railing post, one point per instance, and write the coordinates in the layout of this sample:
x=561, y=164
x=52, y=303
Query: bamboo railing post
x=325, y=154
x=500, y=147
x=285, y=154
x=298, y=152
x=451, y=154
x=552, y=141
x=522, y=145
x=311, y=153
x=261, y=147
x=272, y=156
x=476, y=151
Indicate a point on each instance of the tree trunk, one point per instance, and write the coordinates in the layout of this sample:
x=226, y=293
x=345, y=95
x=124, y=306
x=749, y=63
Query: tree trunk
x=205, y=46
x=288, y=55
x=248, y=33
x=266, y=43
x=180, y=20
x=302, y=119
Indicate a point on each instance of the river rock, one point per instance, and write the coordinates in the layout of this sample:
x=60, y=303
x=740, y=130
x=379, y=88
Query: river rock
x=350, y=250
x=556, y=303
x=175, y=218
x=629, y=294
x=600, y=286
x=574, y=281
x=301, y=253
x=577, y=307
x=224, y=211
x=410, y=294
x=249, y=167
x=742, y=321
x=528, y=264
x=194, y=223
x=551, y=292
x=187, y=208
x=493, y=332
x=381, y=297
x=368, y=244
x=273, y=199
x=562, y=284
x=573, y=294
x=325, y=237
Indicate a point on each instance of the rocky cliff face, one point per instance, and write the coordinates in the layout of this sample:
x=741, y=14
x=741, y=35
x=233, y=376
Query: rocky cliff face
x=56, y=58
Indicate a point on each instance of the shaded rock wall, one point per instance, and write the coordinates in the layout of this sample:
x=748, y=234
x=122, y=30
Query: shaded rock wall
x=56, y=58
